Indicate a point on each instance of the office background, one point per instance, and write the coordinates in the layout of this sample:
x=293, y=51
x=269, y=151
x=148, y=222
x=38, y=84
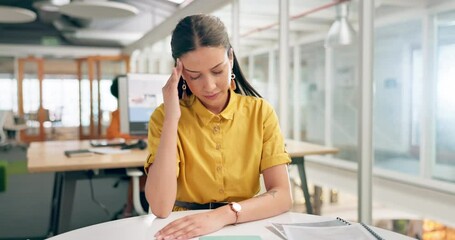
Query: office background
x=315, y=89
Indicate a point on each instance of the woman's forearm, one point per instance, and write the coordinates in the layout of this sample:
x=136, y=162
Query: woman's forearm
x=161, y=185
x=269, y=204
x=276, y=200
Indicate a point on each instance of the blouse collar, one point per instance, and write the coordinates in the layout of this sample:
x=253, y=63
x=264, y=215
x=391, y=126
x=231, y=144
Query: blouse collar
x=206, y=116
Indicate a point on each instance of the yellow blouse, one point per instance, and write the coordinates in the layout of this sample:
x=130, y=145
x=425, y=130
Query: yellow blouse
x=220, y=157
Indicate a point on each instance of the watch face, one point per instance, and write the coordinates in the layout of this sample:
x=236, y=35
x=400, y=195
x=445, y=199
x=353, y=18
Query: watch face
x=236, y=207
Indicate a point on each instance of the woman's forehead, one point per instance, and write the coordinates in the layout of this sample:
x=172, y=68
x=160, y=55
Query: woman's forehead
x=204, y=58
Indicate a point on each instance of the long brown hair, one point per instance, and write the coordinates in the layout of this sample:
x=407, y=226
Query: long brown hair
x=206, y=31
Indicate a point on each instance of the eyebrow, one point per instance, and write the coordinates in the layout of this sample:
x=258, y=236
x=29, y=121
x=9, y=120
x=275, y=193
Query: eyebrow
x=210, y=68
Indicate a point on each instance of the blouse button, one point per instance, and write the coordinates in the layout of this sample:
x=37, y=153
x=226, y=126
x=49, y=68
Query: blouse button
x=218, y=146
x=219, y=168
x=221, y=191
x=216, y=129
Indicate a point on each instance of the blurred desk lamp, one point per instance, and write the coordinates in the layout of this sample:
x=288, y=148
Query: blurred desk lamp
x=341, y=32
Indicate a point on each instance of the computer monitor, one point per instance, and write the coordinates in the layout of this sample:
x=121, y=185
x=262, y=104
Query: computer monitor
x=139, y=95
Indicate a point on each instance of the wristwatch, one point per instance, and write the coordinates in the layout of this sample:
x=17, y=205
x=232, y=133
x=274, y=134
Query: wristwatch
x=237, y=208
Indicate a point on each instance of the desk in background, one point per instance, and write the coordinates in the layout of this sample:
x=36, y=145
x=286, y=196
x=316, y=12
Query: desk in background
x=145, y=227
x=49, y=157
x=298, y=150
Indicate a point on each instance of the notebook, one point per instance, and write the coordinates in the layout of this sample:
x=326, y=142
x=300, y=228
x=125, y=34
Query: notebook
x=326, y=230
x=78, y=153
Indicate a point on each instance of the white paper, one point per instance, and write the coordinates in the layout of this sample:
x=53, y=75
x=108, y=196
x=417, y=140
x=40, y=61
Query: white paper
x=109, y=150
x=279, y=227
x=353, y=232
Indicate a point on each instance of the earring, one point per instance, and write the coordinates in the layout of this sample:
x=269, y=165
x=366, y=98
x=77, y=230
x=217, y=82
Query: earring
x=233, y=84
x=184, y=96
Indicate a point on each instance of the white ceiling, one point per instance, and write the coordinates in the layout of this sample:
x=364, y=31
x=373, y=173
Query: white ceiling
x=55, y=28
x=259, y=20
x=156, y=19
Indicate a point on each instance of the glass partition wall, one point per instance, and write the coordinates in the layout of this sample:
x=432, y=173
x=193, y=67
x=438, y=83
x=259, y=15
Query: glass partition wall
x=412, y=106
x=444, y=164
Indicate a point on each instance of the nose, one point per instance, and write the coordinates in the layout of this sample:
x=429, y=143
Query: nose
x=209, y=84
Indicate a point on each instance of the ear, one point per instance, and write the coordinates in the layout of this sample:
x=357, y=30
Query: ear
x=231, y=57
x=184, y=75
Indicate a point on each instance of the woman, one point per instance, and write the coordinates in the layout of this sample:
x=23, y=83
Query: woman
x=212, y=138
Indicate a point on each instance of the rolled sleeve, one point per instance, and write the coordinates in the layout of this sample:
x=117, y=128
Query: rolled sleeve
x=154, y=137
x=273, y=149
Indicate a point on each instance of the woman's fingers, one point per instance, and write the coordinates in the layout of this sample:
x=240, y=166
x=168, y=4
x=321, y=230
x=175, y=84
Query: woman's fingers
x=170, y=93
x=179, y=68
x=190, y=226
x=175, y=229
x=176, y=73
x=173, y=80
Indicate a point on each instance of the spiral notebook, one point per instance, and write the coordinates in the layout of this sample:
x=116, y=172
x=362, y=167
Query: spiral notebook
x=327, y=230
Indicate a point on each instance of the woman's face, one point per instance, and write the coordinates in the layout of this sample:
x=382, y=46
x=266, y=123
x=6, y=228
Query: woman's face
x=207, y=72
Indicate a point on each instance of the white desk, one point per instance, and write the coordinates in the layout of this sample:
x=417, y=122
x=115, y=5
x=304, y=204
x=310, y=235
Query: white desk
x=145, y=227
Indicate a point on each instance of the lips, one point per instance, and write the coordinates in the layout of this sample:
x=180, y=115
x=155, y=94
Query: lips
x=211, y=96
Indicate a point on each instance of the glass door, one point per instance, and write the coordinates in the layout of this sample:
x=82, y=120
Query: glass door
x=30, y=95
x=90, y=73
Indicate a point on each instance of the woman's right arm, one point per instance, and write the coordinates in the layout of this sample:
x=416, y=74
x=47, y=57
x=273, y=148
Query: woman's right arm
x=161, y=184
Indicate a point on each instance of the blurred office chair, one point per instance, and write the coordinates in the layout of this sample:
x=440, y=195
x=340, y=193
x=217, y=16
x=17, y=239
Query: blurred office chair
x=53, y=117
x=4, y=144
x=7, y=123
x=135, y=174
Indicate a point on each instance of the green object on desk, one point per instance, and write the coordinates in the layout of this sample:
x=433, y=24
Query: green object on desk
x=8, y=169
x=3, y=175
x=231, y=237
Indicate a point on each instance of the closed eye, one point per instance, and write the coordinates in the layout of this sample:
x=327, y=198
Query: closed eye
x=218, y=73
x=195, y=78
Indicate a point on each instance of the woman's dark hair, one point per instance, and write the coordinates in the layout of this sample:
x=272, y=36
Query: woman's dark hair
x=206, y=31
x=114, y=85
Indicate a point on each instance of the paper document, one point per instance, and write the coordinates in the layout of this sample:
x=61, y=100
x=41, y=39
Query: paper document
x=109, y=150
x=352, y=232
x=333, y=229
x=279, y=227
x=107, y=142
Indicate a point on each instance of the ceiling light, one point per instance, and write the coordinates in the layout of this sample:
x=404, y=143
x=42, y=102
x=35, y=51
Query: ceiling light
x=98, y=9
x=50, y=5
x=60, y=2
x=177, y=1
x=46, y=6
x=16, y=15
x=341, y=32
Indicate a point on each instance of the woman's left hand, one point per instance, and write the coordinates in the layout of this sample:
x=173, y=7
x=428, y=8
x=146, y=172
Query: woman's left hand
x=191, y=226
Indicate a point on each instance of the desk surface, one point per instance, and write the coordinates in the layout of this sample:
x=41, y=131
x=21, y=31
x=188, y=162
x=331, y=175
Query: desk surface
x=49, y=157
x=145, y=227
